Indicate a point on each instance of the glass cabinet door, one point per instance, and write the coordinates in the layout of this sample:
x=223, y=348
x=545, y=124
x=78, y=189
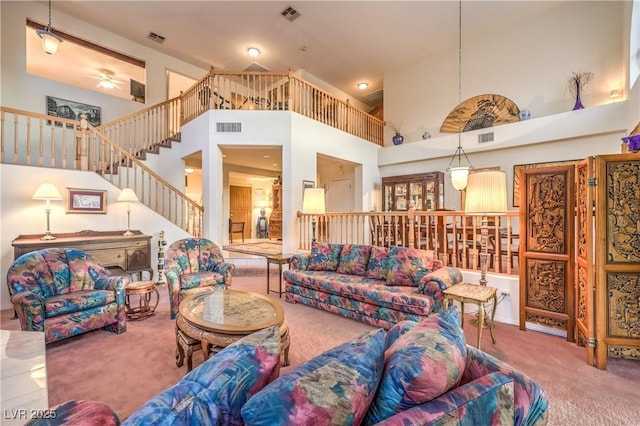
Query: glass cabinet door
x=415, y=194
x=388, y=197
x=400, y=196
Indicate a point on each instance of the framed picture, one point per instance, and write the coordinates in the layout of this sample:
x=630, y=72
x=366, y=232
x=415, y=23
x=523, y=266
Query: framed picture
x=86, y=201
x=72, y=111
x=518, y=167
x=137, y=91
x=307, y=184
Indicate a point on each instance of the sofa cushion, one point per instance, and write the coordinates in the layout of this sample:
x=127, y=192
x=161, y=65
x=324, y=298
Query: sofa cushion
x=407, y=265
x=398, y=330
x=421, y=365
x=378, y=266
x=201, y=279
x=336, y=387
x=77, y=301
x=325, y=257
x=354, y=259
x=215, y=391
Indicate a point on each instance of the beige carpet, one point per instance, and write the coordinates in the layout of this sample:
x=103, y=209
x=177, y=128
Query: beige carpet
x=257, y=249
x=126, y=370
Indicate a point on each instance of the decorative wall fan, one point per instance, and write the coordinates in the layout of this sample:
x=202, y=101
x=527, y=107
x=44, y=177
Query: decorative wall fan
x=480, y=112
x=106, y=80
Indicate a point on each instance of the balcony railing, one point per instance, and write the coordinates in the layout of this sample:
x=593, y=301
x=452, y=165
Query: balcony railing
x=455, y=238
x=277, y=92
x=33, y=139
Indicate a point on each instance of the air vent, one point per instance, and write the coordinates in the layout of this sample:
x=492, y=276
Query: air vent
x=485, y=137
x=290, y=14
x=228, y=127
x=156, y=37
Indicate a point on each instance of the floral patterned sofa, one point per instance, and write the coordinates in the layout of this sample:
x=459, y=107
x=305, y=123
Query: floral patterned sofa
x=380, y=286
x=64, y=292
x=414, y=374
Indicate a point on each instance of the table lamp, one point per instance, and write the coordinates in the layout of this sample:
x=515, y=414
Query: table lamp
x=313, y=204
x=47, y=191
x=127, y=195
x=486, y=195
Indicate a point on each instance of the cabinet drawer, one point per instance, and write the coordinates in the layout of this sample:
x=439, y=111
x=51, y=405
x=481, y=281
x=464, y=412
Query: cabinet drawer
x=138, y=258
x=110, y=258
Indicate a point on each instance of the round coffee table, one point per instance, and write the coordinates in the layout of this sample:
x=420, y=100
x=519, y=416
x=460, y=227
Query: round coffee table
x=217, y=318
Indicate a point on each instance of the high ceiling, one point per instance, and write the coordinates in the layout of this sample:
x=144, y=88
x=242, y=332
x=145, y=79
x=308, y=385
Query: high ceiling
x=341, y=42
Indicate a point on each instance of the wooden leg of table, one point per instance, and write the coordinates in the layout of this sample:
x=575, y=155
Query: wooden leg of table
x=493, y=315
x=205, y=349
x=268, y=273
x=179, y=352
x=461, y=314
x=280, y=280
x=480, y=322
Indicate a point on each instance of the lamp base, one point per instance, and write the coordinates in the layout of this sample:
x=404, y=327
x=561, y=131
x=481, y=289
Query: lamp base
x=128, y=233
x=47, y=237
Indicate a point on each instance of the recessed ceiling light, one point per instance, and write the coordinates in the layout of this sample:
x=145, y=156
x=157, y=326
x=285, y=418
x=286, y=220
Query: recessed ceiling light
x=253, y=52
x=265, y=156
x=224, y=155
x=189, y=170
x=275, y=164
x=362, y=85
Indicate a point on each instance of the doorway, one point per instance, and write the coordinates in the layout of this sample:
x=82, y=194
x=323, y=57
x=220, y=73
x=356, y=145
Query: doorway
x=240, y=207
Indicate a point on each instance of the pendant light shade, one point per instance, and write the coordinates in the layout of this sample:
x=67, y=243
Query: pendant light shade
x=50, y=41
x=459, y=177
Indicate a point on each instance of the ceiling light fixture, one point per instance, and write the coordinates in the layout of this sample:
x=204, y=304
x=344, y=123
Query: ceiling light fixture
x=362, y=85
x=254, y=52
x=50, y=41
x=460, y=174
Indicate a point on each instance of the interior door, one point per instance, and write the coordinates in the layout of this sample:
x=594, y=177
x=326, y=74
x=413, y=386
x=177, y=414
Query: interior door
x=585, y=280
x=547, y=249
x=240, y=207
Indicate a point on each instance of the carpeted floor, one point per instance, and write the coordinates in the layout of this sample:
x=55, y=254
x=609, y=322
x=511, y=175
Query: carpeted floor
x=262, y=248
x=126, y=370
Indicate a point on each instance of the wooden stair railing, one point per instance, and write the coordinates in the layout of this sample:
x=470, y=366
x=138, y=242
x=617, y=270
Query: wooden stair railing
x=27, y=139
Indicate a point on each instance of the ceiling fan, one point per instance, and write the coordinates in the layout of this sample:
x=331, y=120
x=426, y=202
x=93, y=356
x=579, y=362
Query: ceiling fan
x=106, y=80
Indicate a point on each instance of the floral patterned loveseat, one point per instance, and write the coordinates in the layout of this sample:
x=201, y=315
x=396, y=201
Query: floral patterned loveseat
x=64, y=292
x=380, y=286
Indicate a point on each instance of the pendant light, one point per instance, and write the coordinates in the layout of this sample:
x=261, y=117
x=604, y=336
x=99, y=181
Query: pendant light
x=50, y=41
x=460, y=174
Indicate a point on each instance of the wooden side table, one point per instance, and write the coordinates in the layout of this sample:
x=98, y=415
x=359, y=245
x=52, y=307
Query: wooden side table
x=277, y=259
x=145, y=291
x=473, y=293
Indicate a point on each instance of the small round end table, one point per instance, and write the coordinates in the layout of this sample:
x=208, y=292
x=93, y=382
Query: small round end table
x=144, y=290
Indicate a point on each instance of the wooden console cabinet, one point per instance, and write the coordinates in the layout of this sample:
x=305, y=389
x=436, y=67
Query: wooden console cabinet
x=131, y=254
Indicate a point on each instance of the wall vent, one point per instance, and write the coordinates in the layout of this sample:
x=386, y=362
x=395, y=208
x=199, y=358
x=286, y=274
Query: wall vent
x=485, y=137
x=229, y=127
x=156, y=37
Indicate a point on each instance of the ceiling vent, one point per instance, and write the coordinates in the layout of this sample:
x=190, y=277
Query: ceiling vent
x=290, y=14
x=156, y=37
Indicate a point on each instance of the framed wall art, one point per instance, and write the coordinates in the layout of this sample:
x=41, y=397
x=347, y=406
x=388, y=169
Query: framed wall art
x=86, y=201
x=518, y=167
x=72, y=110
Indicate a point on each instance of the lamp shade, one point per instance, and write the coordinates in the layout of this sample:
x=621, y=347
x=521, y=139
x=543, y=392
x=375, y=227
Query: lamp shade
x=127, y=195
x=459, y=177
x=486, y=193
x=47, y=191
x=313, y=201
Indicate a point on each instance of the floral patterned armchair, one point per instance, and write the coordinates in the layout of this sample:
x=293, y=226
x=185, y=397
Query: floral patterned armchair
x=193, y=265
x=64, y=292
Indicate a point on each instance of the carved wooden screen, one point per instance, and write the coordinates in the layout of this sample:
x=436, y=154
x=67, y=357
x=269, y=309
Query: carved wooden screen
x=546, y=277
x=585, y=284
x=617, y=256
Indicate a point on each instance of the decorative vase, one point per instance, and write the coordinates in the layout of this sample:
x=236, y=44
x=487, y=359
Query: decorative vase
x=398, y=139
x=578, y=104
x=633, y=142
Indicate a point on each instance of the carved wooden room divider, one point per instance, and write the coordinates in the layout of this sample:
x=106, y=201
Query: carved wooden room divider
x=616, y=259
x=547, y=201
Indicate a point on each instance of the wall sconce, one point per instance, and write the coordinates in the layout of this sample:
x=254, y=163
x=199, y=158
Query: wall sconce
x=50, y=41
x=127, y=195
x=313, y=203
x=47, y=191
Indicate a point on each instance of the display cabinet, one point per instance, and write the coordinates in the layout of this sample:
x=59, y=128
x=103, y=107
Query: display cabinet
x=425, y=189
x=275, y=219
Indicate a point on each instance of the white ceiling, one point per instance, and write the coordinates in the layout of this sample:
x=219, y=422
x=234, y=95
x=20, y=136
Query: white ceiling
x=340, y=42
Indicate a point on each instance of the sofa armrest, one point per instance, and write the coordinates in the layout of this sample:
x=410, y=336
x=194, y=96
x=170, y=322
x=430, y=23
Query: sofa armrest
x=300, y=261
x=434, y=283
x=225, y=269
x=115, y=283
x=486, y=400
x=30, y=309
x=530, y=400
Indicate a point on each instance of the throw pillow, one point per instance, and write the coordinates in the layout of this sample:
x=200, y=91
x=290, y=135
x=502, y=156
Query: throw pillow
x=324, y=257
x=420, y=365
x=354, y=259
x=378, y=266
x=398, y=330
x=334, y=388
x=405, y=264
x=215, y=392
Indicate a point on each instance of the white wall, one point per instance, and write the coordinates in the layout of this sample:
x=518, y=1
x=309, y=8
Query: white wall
x=529, y=64
x=20, y=215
